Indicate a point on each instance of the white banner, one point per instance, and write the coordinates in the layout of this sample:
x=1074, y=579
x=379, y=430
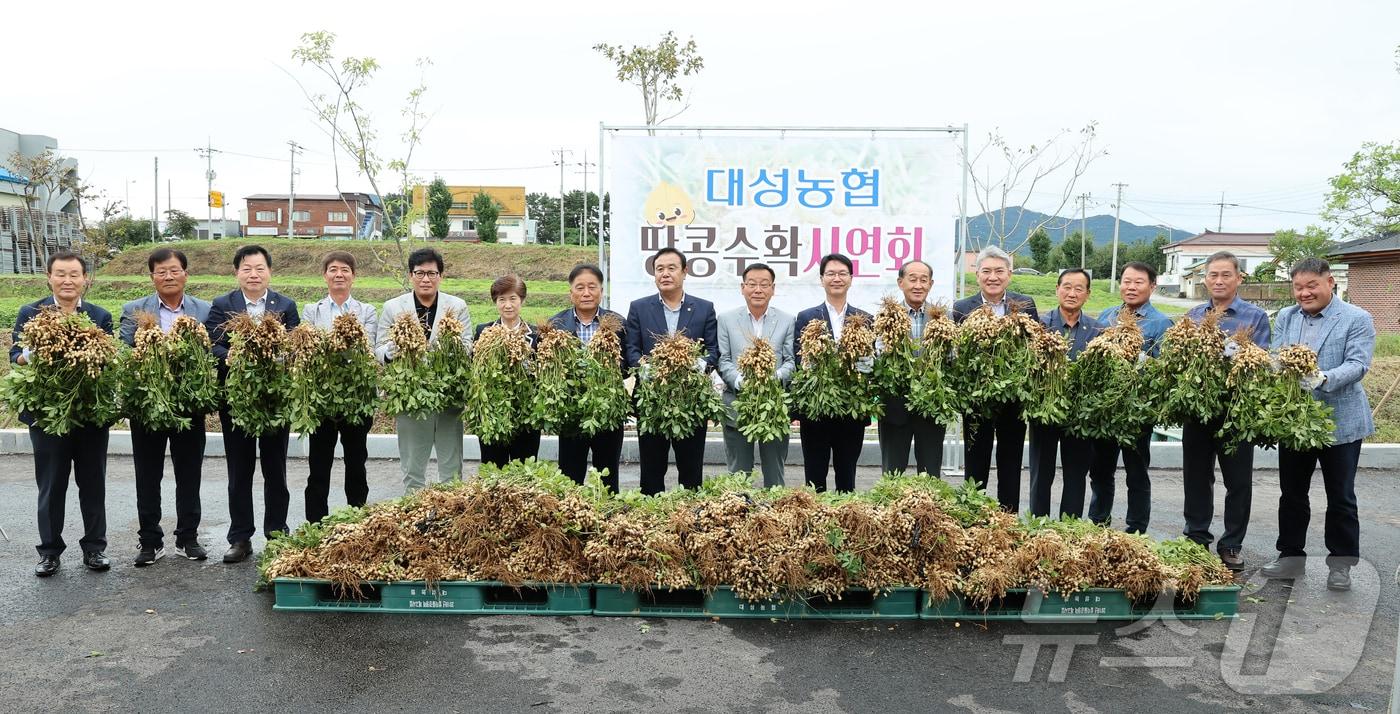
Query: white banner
x=727, y=202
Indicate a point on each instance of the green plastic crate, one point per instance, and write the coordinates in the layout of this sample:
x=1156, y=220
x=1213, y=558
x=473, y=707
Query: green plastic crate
x=1092, y=605
x=446, y=597
x=898, y=604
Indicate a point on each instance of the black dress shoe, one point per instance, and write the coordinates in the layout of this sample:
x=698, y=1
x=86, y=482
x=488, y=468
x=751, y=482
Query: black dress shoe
x=96, y=560
x=1284, y=567
x=1339, y=579
x=1232, y=560
x=238, y=552
x=48, y=565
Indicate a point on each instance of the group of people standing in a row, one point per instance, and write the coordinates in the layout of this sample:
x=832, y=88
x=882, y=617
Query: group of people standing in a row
x=1342, y=335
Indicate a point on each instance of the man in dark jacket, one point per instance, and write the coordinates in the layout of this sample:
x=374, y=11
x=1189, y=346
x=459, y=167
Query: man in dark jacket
x=252, y=267
x=1000, y=421
x=583, y=320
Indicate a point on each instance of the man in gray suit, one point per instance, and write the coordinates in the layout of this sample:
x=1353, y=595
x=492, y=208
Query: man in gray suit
x=169, y=301
x=1344, y=336
x=899, y=426
x=737, y=330
x=338, y=269
x=420, y=434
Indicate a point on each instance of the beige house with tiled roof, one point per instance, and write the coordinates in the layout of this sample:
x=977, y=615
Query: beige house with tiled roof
x=512, y=226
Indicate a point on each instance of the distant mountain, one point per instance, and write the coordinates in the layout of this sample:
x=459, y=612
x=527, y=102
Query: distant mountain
x=1100, y=227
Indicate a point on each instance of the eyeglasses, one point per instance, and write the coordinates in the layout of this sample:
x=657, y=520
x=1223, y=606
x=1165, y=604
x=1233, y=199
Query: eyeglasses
x=765, y=284
x=837, y=274
x=425, y=274
x=172, y=273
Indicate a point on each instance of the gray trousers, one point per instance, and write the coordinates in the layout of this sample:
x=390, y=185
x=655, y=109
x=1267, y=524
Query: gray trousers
x=738, y=454
x=417, y=440
x=928, y=445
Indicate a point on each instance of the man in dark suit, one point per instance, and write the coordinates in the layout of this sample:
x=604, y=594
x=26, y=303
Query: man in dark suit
x=83, y=451
x=252, y=267
x=584, y=320
x=671, y=311
x=835, y=441
x=899, y=426
x=508, y=292
x=167, y=303
x=1000, y=421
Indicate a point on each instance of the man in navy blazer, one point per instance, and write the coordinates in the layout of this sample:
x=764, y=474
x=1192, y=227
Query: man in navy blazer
x=169, y=301
x=1000, y=421
x=252, y=267
x=837, y=441
x=650, y=318
x=1344, y=337
x=583, y=320
x=82, y=451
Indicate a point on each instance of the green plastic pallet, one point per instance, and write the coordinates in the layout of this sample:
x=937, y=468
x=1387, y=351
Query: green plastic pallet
x=857, y=604
x=1092, y=605
x=447, y=597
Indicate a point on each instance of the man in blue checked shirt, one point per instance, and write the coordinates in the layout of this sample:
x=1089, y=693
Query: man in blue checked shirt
x=1135, y=285
x=1199, y=446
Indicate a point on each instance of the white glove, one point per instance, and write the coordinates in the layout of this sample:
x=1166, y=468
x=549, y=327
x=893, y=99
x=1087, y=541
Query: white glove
x=643, y=370
x=1231, y=347
x=717, y=382
x=25, y=355
x=865, y=365
x=1142, y=357
x=1313, y=381
x=700, y=364
x=738, y=382
x=391, y=349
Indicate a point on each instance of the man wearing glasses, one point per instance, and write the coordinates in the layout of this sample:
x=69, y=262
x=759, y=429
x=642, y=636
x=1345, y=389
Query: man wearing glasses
x=738, y=328
x=1000, y=421
x=420, y=434
x=168, y=302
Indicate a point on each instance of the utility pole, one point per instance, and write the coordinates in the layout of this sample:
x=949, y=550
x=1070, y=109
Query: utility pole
x=1083, y=231
x=292, y=190
x=155, y=203
x=1117, y=209
x=208, y=153
x=560, y=162
x=583, y=236
x=1220, y=221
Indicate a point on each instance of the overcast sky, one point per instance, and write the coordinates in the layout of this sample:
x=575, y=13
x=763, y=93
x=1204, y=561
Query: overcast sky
x=1261, y=100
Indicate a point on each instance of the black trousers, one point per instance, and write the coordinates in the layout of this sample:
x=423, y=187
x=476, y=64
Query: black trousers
x=523, y=445
x=1200, y=451
x=927, y=437
x=837, y=442
x=187, y=461
x=1342, y=533
x=606, y=447
x=654, y=451
x=1076, y=455
x=242, y=451
x=354, y=438
x=1002, y=422
x=1102, y=481
x=82, y=452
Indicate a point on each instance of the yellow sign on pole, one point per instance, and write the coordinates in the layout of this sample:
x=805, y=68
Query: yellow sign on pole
x=216, y=199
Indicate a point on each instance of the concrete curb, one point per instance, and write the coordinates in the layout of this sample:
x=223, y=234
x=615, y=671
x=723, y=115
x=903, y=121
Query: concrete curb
x=1165, y=454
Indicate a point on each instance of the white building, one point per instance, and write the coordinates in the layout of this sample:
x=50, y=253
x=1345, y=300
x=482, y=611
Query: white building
x=1185, y=257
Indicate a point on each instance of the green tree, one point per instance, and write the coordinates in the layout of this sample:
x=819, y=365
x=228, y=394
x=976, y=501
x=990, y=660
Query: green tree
x=1040, y=245
x=1365, y=197
x=439, y=203
x=179, y=224
x=1290, y=246
x=544, y=210
x=573, y=215
x=654, y=71
x=487, y=211
x=1069, y=252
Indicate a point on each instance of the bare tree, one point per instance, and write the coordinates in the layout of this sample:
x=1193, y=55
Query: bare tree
x=350, y=128
x=654, y=70
x=1005, y=177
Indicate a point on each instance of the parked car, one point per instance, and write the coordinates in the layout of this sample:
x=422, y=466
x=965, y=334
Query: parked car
x=1026, y=271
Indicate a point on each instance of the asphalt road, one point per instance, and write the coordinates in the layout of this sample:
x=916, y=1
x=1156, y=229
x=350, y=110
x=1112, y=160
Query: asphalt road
x=185, y=636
